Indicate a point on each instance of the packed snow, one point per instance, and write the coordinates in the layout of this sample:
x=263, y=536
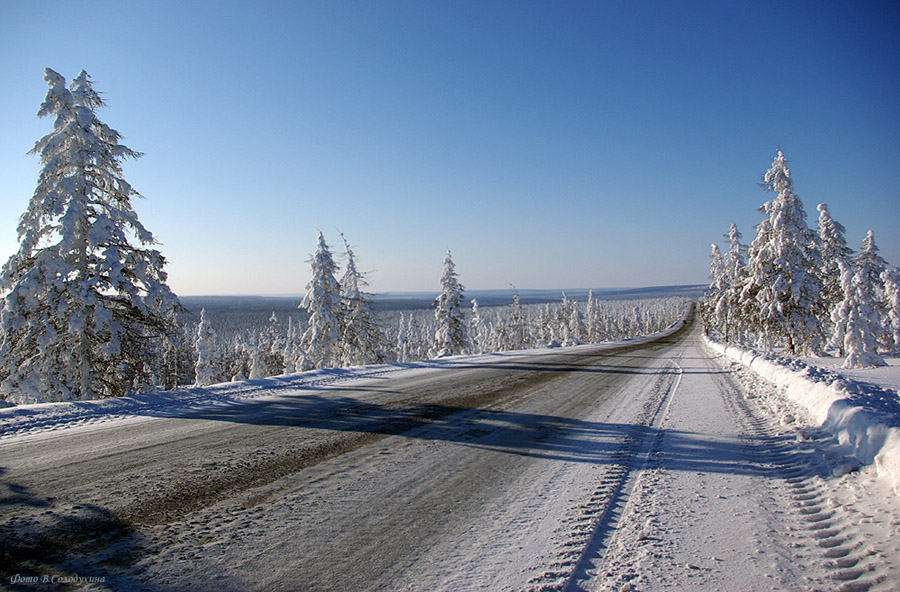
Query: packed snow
x=864, y=417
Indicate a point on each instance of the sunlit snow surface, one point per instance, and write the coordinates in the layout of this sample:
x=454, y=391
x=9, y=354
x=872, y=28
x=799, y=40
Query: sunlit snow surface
x=860, y=408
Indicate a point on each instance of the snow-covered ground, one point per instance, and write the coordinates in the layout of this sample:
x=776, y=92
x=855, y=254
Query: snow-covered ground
x=666, y=467
x=886, y=377
x=778, y=504
x=860, y=408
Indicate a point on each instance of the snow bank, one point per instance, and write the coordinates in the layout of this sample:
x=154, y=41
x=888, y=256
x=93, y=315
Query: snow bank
x=864, y=418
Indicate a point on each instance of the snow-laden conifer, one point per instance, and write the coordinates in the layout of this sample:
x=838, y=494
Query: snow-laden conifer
x=85, y=297
x=361, y=340
x=590, y=318
x=716, y=289
x=857, y=319
x=322, y=302
x=205, y=372
x=450, y=335
x=840, y=314
x=782, y=271
x=576, y=323
x=517, y=327
x=254, y=353
x=478, y=330
x=290, y=352
x=419, y=338
x=239, y=367
x=563, y=321
x=271, y=347
x=869, y=266
x=834, y=250
x=402, y=341
x=734, y=264
x=891, y=279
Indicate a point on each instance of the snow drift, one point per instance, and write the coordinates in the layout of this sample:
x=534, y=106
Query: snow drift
x=864, y=418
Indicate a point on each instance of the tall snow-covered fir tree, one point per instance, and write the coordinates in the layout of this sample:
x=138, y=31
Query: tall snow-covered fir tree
x=716, y=289
x=322, y=301
x=205, y=369
x=856, y=320
x=834, y=250
x=734, y=270
x=478, y=330
x=782, y=270
x=361, y=340
x=518, y=338
x=891, y=279
x=271, y=347
x=869, y=267
x=401, y=345
x=590, y=315
x=85, y=297
x=450, y=336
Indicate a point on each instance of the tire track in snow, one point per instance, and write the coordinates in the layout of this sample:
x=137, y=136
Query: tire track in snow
x=799, y=531
x=819, y=527
x=594, y=522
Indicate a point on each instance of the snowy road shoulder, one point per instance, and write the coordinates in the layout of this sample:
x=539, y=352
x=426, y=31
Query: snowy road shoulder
x=863, y=417
x=731, y=499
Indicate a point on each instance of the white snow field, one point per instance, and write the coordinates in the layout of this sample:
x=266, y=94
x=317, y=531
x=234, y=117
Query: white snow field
x=657, y=464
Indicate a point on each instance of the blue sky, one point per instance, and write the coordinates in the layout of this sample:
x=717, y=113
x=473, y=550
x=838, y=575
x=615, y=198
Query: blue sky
x=548, y=144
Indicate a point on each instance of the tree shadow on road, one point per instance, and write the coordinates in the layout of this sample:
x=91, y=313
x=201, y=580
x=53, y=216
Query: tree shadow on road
x=48, y=544
x=547, y=437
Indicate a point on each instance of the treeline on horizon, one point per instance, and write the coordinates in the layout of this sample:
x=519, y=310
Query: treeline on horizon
x=341, y=329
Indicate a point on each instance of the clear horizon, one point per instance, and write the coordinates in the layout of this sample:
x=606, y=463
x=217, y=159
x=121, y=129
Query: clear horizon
x=581, y=143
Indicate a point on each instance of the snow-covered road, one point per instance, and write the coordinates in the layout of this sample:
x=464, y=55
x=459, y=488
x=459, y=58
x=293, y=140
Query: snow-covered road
x=642, y=467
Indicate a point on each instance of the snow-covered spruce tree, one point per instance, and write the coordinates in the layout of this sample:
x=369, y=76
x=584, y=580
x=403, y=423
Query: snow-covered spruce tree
x=517, y=325
x=782, y=271
x=576, y=323
x=891, y=279
x=402, y=342
x=239, y=367
x=563, y=319
x=178, y=355
x=450, y=336
x=479, y=333
x=734, y=271
x=870, y=265
x=361, y=340
x=834, y=250
x=857, y=320
x=546, y=327
x=85, y=297
x=322, y=302
x=290, y=352
x=253, y=352
x=716, y=289
x=205, y=373
x=271, y=347
x=590, y=318
x=749, y=307
x=840, y=314
x=500, y=334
